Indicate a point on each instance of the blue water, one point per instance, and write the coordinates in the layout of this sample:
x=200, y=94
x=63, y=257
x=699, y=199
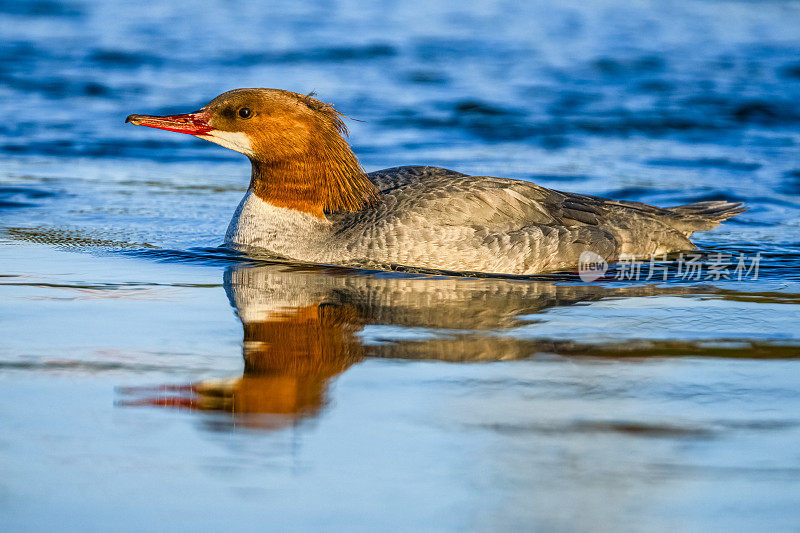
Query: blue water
x=151, y=380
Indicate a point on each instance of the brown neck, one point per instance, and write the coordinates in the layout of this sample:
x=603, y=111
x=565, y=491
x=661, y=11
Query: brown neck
x=326, y=180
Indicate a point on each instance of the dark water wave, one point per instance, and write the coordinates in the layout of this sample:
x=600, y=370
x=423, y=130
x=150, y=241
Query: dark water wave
x=651, y=89
x=770, y=266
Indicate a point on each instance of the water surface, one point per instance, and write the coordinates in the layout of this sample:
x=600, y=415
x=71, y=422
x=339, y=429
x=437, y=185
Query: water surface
x=153, y=380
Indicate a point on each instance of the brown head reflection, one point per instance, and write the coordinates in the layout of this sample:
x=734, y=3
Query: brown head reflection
x=289, y=358
x=290, y=355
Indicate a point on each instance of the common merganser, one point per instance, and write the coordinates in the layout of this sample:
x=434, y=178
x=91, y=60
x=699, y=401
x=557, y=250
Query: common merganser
x=310, y=200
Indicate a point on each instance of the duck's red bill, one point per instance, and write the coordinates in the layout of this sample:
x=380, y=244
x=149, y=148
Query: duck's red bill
x=191, y=123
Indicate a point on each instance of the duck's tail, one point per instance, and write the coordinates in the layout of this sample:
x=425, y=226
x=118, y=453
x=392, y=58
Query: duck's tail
x=702, y=216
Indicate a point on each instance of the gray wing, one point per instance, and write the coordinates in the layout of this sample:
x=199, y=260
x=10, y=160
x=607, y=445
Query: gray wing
x=452, y=198
x=518, y=225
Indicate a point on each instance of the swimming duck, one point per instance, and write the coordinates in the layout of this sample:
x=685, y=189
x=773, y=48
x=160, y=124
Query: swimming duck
x=310, y=200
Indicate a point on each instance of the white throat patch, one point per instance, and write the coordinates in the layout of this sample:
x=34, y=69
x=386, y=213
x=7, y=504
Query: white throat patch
x=235, y=140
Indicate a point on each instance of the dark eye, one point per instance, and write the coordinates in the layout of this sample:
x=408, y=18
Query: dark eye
x=245, y=112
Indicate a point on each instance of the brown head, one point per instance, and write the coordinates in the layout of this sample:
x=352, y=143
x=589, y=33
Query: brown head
x=295, y=143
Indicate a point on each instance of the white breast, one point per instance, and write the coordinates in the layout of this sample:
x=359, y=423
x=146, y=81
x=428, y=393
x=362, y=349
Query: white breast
x=286, y=232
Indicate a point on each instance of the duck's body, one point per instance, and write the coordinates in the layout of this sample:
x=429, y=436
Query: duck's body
x=309, y=201
x=434, y=218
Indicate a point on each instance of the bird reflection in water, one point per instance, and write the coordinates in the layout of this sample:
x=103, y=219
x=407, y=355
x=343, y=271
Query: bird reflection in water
x=291, y=348
x=303, y=326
